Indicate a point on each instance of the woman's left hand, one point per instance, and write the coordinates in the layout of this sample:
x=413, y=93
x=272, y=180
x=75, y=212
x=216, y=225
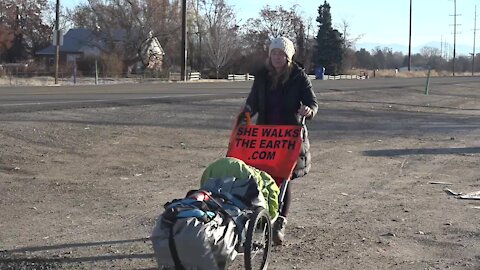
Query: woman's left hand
x=305, y=111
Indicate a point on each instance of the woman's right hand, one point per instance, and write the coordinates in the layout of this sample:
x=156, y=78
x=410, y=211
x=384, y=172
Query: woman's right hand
x=305, y=111
x=243, y=117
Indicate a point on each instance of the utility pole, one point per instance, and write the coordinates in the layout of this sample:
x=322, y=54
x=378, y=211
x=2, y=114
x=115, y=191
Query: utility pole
x=474, y=33
x=410, y=39
x=199, y=33
x=441, y=46
x=183, y=72
x=454, y=33
x=57, y=39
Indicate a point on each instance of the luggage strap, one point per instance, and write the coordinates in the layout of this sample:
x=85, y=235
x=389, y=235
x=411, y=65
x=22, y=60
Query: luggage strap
x=173, y=251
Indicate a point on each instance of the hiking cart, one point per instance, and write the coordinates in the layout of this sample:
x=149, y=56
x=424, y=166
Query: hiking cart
x=228, y=215
x=274, y=150
x=210, y=226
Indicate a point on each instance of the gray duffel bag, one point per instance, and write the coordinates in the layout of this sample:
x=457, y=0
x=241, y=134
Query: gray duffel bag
x=193, y=234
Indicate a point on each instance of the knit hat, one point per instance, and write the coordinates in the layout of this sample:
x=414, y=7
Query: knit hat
x=284, y=44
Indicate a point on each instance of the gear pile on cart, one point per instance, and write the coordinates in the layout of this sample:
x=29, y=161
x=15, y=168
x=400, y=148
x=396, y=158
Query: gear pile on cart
x=232, y=211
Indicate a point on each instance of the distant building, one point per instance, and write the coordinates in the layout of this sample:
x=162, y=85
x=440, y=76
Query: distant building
x=152, y=53
x=85, y=43
x=77, y=43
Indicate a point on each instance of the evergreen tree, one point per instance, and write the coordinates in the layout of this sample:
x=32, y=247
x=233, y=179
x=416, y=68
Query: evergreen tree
x=364, y=59
x=329, y=50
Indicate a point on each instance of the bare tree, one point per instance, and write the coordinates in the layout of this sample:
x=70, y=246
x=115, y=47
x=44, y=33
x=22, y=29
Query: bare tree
x=6, y=38
x=277, y=22
x=428, y=52
x=163, y=17
x=309, y=44
x=222, y=33
x=349, y=56
x=124, y=25
x=82, y=16
x=432, y=58
x=25, y=18
x=348, y=41
x=274, y=22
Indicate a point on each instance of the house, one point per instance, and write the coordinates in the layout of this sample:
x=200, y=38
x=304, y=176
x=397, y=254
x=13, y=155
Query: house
x=152, y=53
x=77, y=43
x=80, y=43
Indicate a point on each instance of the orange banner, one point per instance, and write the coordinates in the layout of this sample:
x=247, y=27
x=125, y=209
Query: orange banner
x=273, y=149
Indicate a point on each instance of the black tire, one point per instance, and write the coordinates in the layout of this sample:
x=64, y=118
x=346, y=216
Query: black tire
x=258, y=242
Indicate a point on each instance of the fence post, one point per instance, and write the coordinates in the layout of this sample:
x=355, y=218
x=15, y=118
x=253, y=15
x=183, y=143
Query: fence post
x=96, y=72
x=75, y=72
x=427, y=85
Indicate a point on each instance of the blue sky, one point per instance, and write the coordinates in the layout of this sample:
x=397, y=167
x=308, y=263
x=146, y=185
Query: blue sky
x=380, y=21
x=387, y=22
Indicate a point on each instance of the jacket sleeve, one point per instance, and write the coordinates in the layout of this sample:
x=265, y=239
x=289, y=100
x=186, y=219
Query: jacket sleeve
x=308, y=96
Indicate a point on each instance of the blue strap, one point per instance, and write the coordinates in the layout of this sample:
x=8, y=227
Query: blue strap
x=192, y=213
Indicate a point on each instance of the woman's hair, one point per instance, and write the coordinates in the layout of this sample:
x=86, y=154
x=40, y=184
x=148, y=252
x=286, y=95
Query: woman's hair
x=278, y=77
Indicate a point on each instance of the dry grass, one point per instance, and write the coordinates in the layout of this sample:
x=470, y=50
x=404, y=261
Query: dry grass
x=19, y=81
x=49, y=81
x=390, y=73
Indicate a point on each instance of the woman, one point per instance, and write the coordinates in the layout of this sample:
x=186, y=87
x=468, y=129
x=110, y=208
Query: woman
x=281, y=95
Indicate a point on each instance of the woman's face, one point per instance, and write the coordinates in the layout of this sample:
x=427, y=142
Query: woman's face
x=278, y=59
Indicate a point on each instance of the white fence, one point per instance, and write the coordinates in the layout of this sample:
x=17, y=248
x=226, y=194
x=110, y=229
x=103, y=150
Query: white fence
x=344, y=77
x=240, y=77
x=192, y=76
x=340, y=77
x=195, y=76
x=248, y=77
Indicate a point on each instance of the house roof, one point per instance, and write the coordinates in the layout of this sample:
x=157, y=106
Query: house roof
x=77, y=38
x=73, y=41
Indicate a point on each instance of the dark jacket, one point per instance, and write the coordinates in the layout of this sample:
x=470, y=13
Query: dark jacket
x=296, y=91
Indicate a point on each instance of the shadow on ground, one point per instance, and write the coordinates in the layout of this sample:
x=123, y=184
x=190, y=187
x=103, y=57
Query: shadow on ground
x=422, y=151
x=18, y=259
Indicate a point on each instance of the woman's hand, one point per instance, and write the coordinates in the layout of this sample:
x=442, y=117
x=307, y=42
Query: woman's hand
x=305, y=111
x=243, y=117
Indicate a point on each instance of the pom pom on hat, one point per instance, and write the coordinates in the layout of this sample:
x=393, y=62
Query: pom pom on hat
x=284, y=44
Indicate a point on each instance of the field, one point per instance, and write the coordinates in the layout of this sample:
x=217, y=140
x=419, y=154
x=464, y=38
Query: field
x=81, y=188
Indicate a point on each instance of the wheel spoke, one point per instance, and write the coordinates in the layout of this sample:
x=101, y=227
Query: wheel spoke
x=258, y=246
x=259, y=239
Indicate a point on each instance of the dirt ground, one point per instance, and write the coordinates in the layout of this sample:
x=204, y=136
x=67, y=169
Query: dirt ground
x=81, y=188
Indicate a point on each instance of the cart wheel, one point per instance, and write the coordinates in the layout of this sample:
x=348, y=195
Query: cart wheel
x=258, y=240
